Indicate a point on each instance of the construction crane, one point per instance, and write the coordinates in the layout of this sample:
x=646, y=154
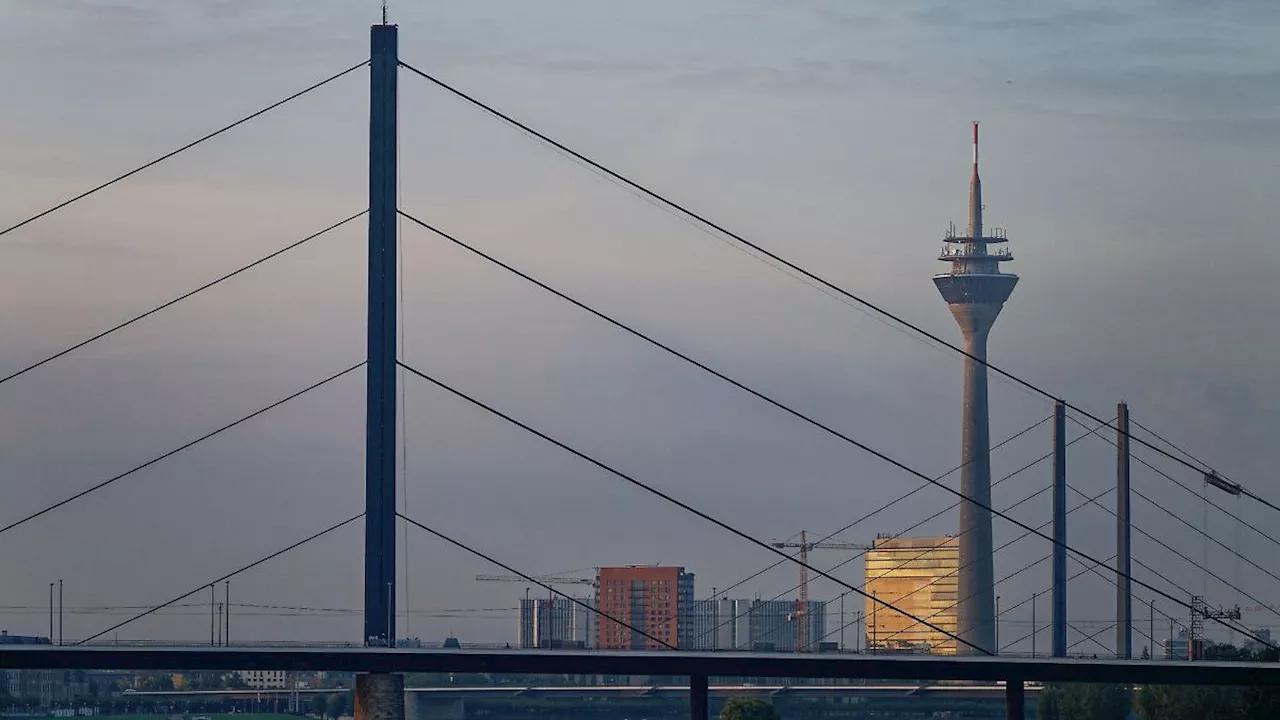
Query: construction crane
x=547, y=579
x=802, y=604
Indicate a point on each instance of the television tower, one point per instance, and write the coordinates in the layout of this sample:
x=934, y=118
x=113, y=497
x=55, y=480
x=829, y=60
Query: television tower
x=975, y=290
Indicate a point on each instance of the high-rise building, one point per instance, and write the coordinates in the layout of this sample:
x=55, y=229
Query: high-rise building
x=918, y=575
x=975, y=289
x=772, y=625
x=556, y=623
x=764, y=625
x=716, y=624
x=653, y=600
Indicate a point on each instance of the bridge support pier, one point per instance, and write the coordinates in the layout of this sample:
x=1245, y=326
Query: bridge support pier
x=379, y=696
x=1015, y=706
x=699, y=697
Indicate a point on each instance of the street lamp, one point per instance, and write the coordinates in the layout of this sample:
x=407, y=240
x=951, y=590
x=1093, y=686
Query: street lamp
x=997, y=647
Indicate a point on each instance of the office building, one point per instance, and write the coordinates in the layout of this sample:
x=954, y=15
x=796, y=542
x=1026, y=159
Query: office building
x=654, y=600
x=557, y=623
x=773, y=625
x=918, y=575
x=720, y=624
x=264, y=679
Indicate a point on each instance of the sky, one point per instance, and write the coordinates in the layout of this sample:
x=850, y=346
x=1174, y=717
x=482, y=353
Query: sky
x=1129, y=153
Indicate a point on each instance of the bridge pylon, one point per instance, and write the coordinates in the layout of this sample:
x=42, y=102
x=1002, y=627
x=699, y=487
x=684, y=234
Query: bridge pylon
x=380, y=696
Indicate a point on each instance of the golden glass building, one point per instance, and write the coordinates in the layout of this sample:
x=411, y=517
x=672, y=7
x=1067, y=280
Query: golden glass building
x=918, y=575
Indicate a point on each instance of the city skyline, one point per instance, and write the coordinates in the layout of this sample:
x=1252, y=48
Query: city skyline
x=137, y=396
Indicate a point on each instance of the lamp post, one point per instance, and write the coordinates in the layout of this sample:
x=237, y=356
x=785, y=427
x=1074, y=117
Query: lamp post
x=996, y=649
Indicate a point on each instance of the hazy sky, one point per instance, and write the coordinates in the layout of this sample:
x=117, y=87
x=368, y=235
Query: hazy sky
x=1131, y=154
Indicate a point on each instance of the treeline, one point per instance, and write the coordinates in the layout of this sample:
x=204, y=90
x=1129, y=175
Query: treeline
x=1080, y=701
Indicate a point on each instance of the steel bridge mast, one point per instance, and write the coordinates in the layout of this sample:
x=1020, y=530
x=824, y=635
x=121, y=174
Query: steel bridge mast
x=380, y=696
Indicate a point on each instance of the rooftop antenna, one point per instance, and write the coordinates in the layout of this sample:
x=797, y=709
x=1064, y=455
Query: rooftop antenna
x=384, y=12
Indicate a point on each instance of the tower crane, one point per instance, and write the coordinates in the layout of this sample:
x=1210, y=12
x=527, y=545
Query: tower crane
x=802, y=604
x=548, y=579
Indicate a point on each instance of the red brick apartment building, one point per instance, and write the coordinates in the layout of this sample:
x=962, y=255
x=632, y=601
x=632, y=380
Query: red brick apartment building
x=653, y=599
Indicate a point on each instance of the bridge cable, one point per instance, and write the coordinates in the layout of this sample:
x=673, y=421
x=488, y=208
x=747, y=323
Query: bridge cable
x=188, y=146
x=1002, y=546
x=670, y=350
x=1087, y=501
x=662, y=495
x=1207, y=468
x=1204, y=466
x=863, y=553
x=777, y=258
x=1183, y=556
x=697, y=364
x=490, y=559
x=778, y=404
x=177, y=300
x=1092, y=637
x=175, y=451
x=228, y=576
x=904, y=563
x=1084, y=569
x=1197, y=495
x=1105, y=576
x=926, y=551
x=888, y=505
x=1180, y=554
x=498, y=413
x=700, y=365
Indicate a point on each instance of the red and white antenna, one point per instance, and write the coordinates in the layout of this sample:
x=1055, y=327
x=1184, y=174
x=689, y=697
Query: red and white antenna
x=975, y=148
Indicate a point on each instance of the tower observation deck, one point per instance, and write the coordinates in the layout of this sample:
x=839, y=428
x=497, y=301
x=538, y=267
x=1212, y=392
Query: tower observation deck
x=975, y=290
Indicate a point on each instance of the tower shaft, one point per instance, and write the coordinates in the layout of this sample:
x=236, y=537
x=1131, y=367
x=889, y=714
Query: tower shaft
x=975, y=616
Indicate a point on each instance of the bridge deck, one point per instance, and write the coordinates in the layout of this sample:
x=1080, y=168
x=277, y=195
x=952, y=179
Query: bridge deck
x=722, y=664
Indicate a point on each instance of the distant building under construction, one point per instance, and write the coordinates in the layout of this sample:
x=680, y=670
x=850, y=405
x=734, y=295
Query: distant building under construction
x=919, y=575
x=764, y=625
x=557, y=623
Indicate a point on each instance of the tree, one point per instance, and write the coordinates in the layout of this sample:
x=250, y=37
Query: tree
x=748, y=709
x=319, y=705
x=1084, y=701
x=1188, y=702
x=336, y=705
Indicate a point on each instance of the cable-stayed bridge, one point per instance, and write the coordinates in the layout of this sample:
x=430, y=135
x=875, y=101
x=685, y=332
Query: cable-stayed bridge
x=380, y=663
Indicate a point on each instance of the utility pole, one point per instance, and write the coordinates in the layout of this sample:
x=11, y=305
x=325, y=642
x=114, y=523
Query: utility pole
x=380, y=696
x=1033, y=623
x=228, y=623
x=875, y=607
x=842, y=622
x=52, y=636
x=1124, y=594
x=1058, y=609
x=1151, y=627
x=60, y=613
x=213, y=600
